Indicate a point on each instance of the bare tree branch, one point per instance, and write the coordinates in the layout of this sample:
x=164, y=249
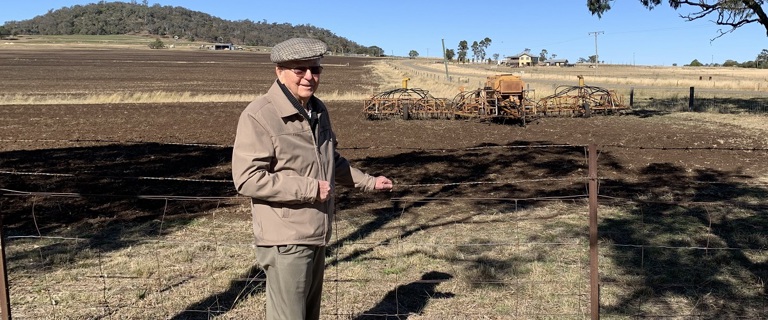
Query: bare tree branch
x=731, y=13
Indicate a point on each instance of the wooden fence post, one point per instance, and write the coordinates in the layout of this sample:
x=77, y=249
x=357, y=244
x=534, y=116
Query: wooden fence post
x=690, y=100
x=5, y=298
x=594, y=284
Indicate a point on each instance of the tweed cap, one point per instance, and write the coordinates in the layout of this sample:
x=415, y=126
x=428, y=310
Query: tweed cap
x=298, y=49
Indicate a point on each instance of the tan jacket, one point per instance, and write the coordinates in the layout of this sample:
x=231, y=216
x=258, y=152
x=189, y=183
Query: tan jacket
x=277, y=162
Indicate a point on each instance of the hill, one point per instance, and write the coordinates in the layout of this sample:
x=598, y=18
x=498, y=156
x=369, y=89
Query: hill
x=116, y=18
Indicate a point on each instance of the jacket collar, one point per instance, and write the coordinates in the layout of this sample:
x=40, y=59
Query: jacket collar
x=286, y=103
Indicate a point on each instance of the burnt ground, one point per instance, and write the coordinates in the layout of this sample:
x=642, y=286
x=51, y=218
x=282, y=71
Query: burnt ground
x=106, y=152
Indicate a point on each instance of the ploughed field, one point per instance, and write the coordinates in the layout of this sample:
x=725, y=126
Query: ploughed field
x=42, y=71
x=126, y=150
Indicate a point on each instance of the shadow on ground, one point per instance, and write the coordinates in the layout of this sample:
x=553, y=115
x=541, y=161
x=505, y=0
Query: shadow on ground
x=408, y=299
x=710, y=208
x=248, y=284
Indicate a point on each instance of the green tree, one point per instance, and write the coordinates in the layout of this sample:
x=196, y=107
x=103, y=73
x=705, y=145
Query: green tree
x=375, y=51
x=475, y=50
x=747, y=64
x=695, y=63
x=4, y=32
x=730, y=63
x=496, y=57
x=157, y=44
x=762, y=59
x=543, y=55
x=463, y=47
x=449, y=54
x=482, y=45
x=413, y=54
x=731, y=13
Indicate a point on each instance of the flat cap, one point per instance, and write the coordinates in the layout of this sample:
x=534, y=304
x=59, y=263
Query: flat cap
x=298, y=49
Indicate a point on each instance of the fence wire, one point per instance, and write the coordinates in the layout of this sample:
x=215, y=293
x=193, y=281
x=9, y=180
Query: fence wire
x=447, y=250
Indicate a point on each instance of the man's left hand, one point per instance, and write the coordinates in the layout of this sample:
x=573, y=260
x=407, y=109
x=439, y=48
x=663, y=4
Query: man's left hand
x=382, y=183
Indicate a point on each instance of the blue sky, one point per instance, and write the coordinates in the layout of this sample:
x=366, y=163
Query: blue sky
x=630, y=34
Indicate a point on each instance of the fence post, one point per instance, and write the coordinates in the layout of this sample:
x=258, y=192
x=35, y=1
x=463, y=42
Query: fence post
x=690, y=100
x=594, y=284
x=5, y=298
x=631, y=97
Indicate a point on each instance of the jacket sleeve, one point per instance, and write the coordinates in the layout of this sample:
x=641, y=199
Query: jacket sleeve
x=253, y=172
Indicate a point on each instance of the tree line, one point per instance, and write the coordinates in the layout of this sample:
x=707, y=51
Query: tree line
x=478, y=51
x=114, y=18
x=760, y=62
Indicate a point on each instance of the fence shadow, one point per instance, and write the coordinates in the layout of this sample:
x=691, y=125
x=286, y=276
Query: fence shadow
x=711, y=208
x=693, y=274
x=692, y=236
x=443, y=169
x=431, y=174
x=102, y=191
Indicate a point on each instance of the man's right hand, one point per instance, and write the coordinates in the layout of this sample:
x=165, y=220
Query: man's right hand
x=323, y=191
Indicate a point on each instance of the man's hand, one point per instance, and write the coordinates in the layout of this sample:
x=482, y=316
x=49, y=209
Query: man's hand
x=382, y=183
x=323, y=191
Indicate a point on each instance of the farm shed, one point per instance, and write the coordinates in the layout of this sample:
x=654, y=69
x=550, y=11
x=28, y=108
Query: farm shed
x=223, y=46
x=555, y=62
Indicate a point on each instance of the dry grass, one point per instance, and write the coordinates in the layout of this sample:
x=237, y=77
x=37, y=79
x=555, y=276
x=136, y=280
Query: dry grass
x=704, y=77
x=493, y=269
x=657, y=82
x=145, y=97
x=153, y=278
x=515, y=264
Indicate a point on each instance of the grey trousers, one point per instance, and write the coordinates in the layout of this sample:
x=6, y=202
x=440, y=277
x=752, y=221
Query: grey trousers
x=294, y=280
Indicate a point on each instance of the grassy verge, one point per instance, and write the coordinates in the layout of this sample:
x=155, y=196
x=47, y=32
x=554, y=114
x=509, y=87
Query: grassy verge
x=145, y=97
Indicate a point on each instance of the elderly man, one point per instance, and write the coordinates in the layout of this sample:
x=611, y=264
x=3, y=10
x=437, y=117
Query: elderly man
x=285, y=159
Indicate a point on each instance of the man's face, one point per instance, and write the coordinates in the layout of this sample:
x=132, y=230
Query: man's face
x=300, y=77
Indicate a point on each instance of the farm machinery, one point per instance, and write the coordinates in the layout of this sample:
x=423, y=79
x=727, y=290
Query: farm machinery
x=581, y=100
x=503, y=97
x=406, y=103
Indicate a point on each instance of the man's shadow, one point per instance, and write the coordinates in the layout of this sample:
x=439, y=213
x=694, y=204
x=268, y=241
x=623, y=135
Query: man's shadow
x=408, y=299
x=248, y=284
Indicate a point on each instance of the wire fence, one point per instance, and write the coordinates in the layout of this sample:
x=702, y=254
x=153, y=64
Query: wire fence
x=706, y=100
x=495, y=247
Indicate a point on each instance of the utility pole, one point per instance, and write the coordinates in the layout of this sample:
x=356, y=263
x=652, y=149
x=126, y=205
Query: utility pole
x=445, y=62
x=597, y=57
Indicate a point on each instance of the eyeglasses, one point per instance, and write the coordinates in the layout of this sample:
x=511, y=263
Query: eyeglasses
x=302, y=70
